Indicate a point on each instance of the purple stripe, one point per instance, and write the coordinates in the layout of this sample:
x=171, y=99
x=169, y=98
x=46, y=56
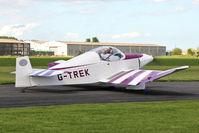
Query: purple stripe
x=148, y=77
x=132, y=56
x=156, y=76
x=129, y=79
x=39, y=72
x=48, y=73
x=162, y=74
x=111, y=81
x=52, y=64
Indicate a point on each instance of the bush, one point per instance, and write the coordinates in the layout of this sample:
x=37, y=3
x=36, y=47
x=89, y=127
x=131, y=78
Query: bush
x=95, y=39
x=88, y=40
x=191, y=52
x=176, y=51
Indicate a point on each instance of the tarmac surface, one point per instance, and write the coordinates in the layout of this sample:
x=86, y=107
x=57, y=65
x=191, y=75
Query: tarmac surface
x=61, y=95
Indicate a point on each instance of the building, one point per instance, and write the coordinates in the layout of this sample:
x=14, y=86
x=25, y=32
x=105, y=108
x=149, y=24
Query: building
x=74, y=48
x=14, y=47
x=59, y=48
x=62, y=48
x=184, y=52
x=41, y=48
x=36, y=45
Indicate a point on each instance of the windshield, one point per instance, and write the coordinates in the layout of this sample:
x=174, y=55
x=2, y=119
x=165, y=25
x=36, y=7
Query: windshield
x=109, y=53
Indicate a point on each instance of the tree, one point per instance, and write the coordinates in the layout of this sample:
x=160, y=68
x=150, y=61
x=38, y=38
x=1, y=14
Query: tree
x=176, y=51
x=197, y=52
x=191, y=52
x=80, y=52
x=94, y=39
x=88, y=40
x=7, y=37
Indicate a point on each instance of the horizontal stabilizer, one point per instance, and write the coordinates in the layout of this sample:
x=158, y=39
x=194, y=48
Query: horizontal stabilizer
x=44, y=72
x=140, y=77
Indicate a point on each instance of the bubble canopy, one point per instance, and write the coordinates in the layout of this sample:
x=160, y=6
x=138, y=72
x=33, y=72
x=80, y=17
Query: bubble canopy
x=109, y=53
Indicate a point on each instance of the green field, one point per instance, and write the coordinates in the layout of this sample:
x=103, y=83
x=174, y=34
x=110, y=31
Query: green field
x=174, y=61
x=141, y=117
x=158, y=61
x=35, y=61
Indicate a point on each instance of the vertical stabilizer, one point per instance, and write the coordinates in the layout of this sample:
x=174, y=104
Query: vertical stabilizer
x=23, y=70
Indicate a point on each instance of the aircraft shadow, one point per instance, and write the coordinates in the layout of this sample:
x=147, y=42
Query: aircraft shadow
x=78, y=88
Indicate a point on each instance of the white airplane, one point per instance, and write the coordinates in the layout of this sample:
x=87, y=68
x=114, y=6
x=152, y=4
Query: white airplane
x=105, y=65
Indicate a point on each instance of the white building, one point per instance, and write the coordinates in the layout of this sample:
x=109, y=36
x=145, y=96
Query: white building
x=36, y=45
x=60, y=49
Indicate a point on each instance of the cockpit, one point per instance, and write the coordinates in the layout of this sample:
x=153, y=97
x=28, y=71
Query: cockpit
x=108, y=53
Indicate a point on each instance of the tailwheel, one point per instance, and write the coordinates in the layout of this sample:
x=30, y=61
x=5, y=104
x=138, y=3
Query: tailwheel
x=24, y=90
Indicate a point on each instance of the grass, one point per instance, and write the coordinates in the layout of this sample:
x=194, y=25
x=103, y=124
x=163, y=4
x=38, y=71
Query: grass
x=5, y=76
x=35, y=61
x=142, y=117
x=158, y=61
x=175, y=61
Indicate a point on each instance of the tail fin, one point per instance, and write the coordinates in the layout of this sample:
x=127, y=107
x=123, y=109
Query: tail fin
x=23, y=70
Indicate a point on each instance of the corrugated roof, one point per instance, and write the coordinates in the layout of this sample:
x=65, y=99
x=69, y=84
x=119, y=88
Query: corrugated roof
x=10, y=41
x=36, y=41
x=113, y=44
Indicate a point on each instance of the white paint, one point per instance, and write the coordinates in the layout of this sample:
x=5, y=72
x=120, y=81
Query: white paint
x=23, y=73
x=125, y=77
x=139, y=78
x=145, y=59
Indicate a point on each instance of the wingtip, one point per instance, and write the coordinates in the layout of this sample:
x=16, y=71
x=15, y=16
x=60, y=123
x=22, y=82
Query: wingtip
x=183, y=67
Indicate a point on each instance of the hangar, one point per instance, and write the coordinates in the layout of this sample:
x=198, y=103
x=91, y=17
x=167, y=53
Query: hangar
x=74, y=48
x=14, y=47
x=65, y=48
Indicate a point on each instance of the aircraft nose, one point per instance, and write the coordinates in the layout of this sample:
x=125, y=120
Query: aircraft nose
x=145, y=59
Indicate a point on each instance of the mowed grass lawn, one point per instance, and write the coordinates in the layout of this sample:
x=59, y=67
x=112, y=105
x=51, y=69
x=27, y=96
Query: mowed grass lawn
x=140, y=117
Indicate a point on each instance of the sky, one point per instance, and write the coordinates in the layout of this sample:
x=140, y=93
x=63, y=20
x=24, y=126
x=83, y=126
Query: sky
x=170, y=23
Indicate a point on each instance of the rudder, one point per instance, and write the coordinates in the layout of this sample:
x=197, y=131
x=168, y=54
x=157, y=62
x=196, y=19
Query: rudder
x=23, y=70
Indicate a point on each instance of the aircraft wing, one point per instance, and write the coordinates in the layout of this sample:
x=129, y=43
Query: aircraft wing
x=139, y=77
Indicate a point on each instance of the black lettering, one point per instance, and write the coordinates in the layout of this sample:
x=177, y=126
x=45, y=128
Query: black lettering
x=70, y=74
x=86, y=72
x=59, y=76
x=75, y=74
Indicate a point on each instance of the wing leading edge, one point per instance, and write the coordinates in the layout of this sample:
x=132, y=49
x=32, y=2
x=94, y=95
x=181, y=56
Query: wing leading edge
x=140, y=77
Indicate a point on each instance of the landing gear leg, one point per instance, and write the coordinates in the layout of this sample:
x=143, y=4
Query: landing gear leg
x=24, y=90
